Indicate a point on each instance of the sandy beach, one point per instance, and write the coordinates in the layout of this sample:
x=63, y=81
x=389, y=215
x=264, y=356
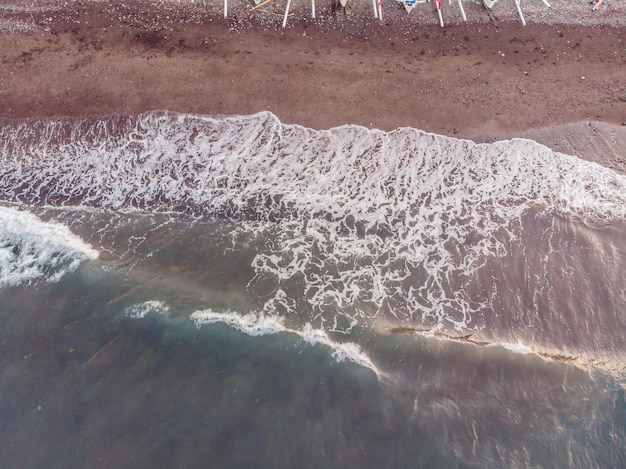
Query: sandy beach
x=561, y=79
x=187, y=280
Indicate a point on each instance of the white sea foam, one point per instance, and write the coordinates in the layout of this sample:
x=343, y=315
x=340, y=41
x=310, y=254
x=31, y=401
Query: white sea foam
x=141, y=310
x=261, y=324
x=361, y=224
x=170, y=161
x=516, y=347
x=33, y=250
x=250, y=324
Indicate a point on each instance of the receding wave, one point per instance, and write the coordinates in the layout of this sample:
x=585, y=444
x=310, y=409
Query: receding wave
x=509, y=241
x=254, y=166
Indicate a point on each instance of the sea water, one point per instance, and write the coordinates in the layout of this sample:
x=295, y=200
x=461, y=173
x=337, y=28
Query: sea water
x=180, y=290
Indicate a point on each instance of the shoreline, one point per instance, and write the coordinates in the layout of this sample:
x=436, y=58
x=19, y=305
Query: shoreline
x=482, y=80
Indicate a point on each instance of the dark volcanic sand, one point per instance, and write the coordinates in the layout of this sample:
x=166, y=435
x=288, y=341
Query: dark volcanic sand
x=480, y=80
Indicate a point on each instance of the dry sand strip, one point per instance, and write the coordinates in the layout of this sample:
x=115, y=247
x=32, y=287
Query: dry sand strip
x=485, y=79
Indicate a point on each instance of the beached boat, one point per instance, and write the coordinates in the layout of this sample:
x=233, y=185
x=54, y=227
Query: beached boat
x=489, y=3
x=408, y=5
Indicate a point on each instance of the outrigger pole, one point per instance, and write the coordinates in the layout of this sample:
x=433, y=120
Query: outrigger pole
x=519, y=9
x=286, y=13
x=462, y=10
x=439, y=13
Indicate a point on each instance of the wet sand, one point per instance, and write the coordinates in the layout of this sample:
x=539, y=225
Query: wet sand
x=490, y=78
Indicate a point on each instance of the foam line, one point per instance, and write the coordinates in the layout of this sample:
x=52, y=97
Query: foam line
x=259, y=325
x=583, y=361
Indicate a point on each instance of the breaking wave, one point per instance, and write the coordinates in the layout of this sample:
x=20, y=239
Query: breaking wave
x=257, y=325
x=32, y=250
